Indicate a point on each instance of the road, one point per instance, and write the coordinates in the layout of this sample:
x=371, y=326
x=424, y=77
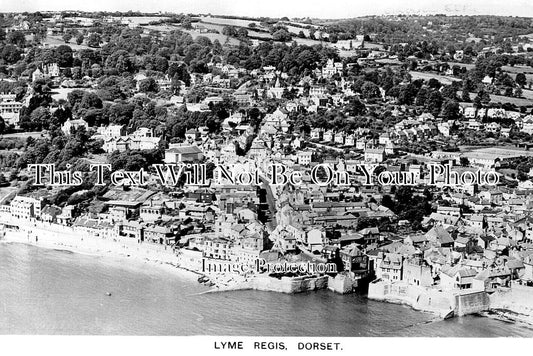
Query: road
x=271, y=201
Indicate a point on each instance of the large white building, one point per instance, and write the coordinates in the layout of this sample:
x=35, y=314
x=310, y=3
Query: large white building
x=23, y=207
x=9, y=108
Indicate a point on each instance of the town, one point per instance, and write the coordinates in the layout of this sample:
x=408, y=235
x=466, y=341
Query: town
x=441, y=108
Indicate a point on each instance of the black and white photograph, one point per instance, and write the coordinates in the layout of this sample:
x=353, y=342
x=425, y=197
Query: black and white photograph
x=267, y=175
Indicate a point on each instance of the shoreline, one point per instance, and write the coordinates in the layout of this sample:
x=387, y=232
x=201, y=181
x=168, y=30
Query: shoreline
x=498, y=312
x=90, y=246
x=108, y=254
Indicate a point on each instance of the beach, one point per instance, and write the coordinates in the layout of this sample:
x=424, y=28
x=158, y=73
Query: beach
x=58, y=237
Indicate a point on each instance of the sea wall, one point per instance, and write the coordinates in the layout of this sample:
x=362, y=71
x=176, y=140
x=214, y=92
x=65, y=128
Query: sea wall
x=517, y=299
x=424, y=299
x=289, y=284
x=471, y=303
x=342, y=283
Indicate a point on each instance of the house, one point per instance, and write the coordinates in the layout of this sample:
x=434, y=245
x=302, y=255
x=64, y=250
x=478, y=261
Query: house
x=162, y=235
x=304, y=157
x=183, y=154
x=26, y=207
x=249, y=250
x=391, y=267
x=490, y=279
x=74, y=124
x=417, y=273
x=49, y=213
x=439, y=236
x=374, y=155
x=192, y=135
x=457, y=277
x=416, y=240
x=354, y=260
x=315, y=239
x=10, y=108
x=218, y=248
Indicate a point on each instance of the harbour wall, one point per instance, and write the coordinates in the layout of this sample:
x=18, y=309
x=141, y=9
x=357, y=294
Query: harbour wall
x=289, y=284
x=442, y=303
x=342, y=283
x=517, y=299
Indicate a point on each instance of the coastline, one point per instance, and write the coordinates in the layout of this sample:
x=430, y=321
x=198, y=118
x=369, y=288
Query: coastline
x=503, y=311
x=143, y=254
x=90, y=247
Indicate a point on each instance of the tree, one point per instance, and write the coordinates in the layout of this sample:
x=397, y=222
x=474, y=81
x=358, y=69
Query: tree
x=94, y=40
x=465, y=96
x=281, y=35
x=16, y=38
x=355, y=107
x=482, y=98
x=449, y=92
x=10, y=54
x=90, y=100
x=450, y=110
x=370, y=90
x=242, y=32
x=186, y=23
x=464, y=162
x=434, y=102
x=79, y=39
x=63, y=56
x=521, y=79
x=229, y=31
x=434, y=83
x=148, y=85
x=67, y=37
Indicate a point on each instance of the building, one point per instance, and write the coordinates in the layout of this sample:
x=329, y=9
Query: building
x=375, y=155
x=74, y=124
x=354, y=260
x=9, y=109
x=26, y=207
x=183, y=154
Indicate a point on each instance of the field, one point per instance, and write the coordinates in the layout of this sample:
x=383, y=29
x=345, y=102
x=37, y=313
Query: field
x=518, y=69
x=24, y=135
x=228, y=22
x=466, y=65
x=141, y=20
x=427, y=76
x=213, y=36
x=505, y=99
x=55, y=41
x=6, y=192
x=61, y=93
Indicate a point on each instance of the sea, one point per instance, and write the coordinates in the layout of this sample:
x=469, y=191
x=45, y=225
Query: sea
x=54, y=292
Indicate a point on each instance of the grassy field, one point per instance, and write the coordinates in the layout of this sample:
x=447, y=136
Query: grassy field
x=62, y=93
x=528, y=94
x=214, y=36
x=427, y=76
x=466, y=65
x=5, y=192
x=24, y=135
x=228, y=22
x=504, y=99
x=56, y=41
x=518, y=69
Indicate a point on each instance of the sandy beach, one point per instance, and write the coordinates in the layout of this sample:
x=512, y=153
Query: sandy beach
x=57, y=237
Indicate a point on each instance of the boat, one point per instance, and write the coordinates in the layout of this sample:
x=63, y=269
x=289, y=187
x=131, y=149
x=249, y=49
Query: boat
x=203, y=279
x=108, y=294
x=449, y=315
